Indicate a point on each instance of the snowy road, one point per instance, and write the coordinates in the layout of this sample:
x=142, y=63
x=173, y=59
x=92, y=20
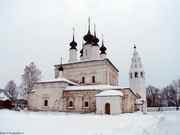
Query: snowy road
x=46, y=123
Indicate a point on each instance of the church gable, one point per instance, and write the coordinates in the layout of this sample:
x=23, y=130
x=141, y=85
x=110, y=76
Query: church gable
x=90, y=72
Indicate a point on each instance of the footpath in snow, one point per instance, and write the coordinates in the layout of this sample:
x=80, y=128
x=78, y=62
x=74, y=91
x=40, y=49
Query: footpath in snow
x=57, y=123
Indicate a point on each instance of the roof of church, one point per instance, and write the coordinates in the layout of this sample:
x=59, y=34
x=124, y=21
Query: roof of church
x=91, y=61
x=58, y=80
x=109, y=93
x=98, y=87
x=93, y=87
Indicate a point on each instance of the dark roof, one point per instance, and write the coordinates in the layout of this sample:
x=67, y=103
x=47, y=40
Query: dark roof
x=103, y=49
x=60, y=68
x=88, y=37
x=73, y=44
x=95, y=40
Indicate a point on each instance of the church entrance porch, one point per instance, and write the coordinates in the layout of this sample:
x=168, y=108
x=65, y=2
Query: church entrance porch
x=107, y=108
x=109, y=102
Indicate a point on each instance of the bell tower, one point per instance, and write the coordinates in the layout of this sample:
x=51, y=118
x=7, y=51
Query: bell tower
x=137, y=75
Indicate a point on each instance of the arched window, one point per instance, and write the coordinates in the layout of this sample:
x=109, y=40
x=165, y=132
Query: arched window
x=131, y=75
x=93, y=79
x=45, y=102
x=83, y=79
x=70, y=104
x=142, y=74
x=136, y=74
x=86, y=52
x=86, y=104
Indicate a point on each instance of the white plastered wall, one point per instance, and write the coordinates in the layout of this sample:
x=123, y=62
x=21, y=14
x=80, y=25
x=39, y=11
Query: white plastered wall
x=114, y=101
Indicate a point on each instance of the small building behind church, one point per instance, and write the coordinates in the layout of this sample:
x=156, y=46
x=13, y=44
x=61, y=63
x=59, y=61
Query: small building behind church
x=89, y=83
x=5, y=100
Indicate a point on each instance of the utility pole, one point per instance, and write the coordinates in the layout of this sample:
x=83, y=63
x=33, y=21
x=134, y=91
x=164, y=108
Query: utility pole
x=177, y=96
x=177, y=93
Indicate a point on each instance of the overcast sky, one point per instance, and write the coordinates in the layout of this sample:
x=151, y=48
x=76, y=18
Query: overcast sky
x=40, y=31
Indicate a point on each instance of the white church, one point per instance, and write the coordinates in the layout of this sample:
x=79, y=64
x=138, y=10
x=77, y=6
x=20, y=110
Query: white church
x=89, y=83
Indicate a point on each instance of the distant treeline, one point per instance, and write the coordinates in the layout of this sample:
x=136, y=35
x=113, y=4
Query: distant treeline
x=167, y=96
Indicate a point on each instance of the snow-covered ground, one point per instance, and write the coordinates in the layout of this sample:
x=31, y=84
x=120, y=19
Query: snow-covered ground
x=46, y=123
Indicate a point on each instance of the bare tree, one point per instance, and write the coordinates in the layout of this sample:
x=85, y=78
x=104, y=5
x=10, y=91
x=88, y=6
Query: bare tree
x=176, y=93
x=171, y=94
x=167, y=96
x=153, y=96
x=11, y=89
x=31, y=75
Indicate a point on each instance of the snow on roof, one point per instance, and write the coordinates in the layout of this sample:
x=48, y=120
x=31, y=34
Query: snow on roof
x=139, y=101
x=109, y=93
x=92, y=87
x=90, y=61
x=3, y=96
x=58, y=80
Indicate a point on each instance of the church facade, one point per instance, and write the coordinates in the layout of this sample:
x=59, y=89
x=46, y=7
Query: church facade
x=89, y=83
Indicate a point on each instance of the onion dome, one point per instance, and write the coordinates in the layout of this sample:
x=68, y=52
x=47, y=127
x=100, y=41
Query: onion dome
x=60, y=68
x=73, y=43
x=88, y=37
x=95, y=39
x=103, y=48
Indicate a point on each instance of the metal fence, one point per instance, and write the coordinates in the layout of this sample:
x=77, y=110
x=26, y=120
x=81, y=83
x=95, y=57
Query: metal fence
x=156, y=109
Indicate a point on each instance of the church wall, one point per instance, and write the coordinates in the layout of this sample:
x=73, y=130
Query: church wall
x=52, y=92
x=112, y=74
x=78, y=99
x=87, y=52
x=36, y=101
x=102, y=70
x=129, y=100
x=95, y=53
x=86, y=70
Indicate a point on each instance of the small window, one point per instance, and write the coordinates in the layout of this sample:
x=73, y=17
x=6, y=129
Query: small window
x=93, y=79
x=45, y=102
x=136, y=74
x=86, y=104
x=83, y=79
x=131, y=76
x=142, y=74
x=70, y=104
x=86, y=53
